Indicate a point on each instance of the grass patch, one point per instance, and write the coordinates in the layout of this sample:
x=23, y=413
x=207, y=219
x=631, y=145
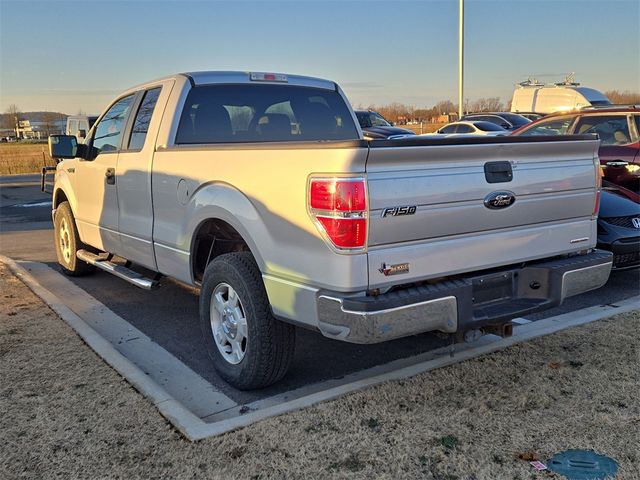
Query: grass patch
x=450, y=442
x=23, y=158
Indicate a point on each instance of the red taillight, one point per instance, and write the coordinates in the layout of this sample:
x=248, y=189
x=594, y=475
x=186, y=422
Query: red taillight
x=339, y=195
x=345, y=232
x=596, y=204
x=339, y=206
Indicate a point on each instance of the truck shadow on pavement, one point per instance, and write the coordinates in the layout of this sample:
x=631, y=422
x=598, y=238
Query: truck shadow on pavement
x=169, y=316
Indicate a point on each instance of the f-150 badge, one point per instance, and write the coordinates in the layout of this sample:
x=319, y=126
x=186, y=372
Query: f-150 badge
x=388, y=269
x=398, y=211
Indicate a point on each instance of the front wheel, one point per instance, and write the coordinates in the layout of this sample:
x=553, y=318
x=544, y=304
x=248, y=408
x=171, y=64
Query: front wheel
x=68, y=242
x=250, y=349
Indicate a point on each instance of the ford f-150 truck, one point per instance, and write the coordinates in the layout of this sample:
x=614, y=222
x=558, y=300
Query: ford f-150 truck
x=260, y=190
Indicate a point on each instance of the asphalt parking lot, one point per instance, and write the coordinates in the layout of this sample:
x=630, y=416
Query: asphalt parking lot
x=168, y=315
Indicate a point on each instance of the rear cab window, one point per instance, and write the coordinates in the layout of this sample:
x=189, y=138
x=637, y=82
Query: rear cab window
x=239, y=113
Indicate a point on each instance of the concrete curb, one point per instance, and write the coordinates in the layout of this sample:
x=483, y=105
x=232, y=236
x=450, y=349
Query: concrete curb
x=185, y=421
x=194, y=428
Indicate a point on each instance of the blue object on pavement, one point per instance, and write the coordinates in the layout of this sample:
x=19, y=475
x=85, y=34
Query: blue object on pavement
x=583, y=465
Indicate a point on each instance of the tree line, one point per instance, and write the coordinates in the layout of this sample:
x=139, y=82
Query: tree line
x=400, y=113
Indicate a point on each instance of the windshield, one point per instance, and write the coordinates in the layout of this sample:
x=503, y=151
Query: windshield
x=515, y=120
x=378, y=120
x=488, y=127
x=371, y=119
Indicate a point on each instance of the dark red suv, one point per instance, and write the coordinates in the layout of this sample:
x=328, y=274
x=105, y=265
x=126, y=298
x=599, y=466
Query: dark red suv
x=619, y=130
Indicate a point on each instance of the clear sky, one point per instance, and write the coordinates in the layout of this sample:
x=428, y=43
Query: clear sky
x=71, y=56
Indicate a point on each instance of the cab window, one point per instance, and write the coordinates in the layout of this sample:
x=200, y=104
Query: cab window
x=143, y=118
x=612, y=129
x=108, y=132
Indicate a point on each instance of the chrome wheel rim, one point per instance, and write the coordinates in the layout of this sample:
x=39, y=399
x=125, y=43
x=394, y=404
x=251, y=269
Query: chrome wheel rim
x=228, y=323
x=64, y=239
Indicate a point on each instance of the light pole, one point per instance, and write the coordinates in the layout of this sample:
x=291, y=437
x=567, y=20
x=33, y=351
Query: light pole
x=460, y=59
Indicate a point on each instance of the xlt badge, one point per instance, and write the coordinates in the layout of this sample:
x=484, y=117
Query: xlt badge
x=397, y=269
x=398, y=211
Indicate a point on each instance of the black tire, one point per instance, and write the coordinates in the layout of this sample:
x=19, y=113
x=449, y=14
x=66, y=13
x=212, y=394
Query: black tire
x=270, y=343
x=64, y=222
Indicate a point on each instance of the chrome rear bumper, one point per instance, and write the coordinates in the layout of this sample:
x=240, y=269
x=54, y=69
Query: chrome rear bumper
x=462, y=304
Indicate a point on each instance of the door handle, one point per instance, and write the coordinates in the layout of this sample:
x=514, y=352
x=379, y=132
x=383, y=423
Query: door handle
x=110, y=175
x=498, y=172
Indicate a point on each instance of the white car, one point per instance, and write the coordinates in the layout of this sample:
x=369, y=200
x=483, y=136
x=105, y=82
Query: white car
x=472, y=128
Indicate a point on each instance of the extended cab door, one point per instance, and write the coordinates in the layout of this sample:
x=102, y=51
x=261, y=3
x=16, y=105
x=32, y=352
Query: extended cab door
x=133, y=176
x=96, y=209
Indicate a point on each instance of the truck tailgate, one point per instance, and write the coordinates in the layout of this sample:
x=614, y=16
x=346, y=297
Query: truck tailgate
x=456, y=193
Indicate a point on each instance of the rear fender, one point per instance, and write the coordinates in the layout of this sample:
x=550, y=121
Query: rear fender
x=218, y=201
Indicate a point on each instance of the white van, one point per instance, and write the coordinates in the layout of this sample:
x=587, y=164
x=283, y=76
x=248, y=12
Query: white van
x=562, y=97
x=79, y=126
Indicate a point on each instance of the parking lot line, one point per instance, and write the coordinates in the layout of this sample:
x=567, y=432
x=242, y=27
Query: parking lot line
x=188, y=411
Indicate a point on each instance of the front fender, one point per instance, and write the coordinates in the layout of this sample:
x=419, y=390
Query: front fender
x=62, y=188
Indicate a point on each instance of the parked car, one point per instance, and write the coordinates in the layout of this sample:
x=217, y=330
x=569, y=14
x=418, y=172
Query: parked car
x=531, y=115
x=259, y=189
x=506, y=120
x=619, y=226
x=619, y=131
x=374, y=126
x=473, y=128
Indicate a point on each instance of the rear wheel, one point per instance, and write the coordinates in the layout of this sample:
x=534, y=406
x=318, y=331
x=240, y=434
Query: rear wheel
x=68, y=242
x=250, y=349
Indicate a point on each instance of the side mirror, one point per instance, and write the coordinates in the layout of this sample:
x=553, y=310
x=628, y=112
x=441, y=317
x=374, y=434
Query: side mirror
x=393, y=124
x=82, y=133
x=63, y=146
x=505, y=125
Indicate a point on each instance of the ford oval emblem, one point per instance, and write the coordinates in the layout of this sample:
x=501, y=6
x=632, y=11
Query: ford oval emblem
x=497, y=200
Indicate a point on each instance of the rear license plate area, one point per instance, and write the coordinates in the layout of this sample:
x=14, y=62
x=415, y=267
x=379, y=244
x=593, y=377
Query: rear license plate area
x=493, y=288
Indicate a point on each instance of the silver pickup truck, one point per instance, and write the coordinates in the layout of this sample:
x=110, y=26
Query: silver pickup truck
x=260, y=190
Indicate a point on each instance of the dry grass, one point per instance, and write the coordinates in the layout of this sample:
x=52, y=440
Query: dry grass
x=65, y=414
x=425, y=128
x=23, y=158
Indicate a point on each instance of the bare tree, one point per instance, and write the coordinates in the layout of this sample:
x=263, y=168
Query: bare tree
x=492, y=104
x=444, y=107
x=621, y=98
x=12, y=118
x=49, y=120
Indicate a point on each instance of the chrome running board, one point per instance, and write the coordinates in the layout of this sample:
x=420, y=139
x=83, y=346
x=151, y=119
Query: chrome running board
x=120, y=271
